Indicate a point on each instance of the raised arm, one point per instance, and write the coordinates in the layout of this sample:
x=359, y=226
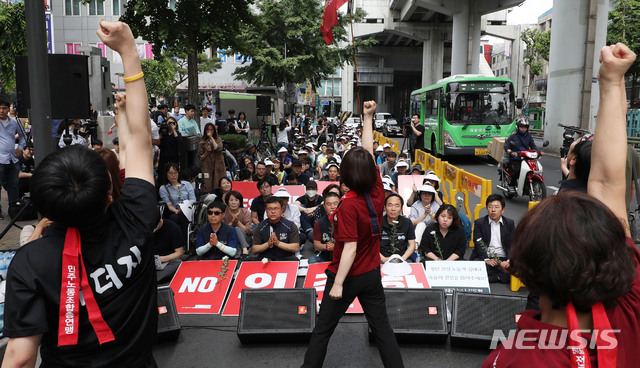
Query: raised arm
x=609, y=151
x=367, y=126
x=137, y=142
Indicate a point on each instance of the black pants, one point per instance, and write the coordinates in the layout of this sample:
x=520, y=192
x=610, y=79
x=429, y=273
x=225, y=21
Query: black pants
x=368, y=288
x=515, y=166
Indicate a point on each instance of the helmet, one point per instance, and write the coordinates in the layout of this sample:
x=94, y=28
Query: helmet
x=522, y=122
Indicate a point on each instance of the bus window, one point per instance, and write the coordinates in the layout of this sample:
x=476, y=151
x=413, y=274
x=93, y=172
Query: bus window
x=480, y=108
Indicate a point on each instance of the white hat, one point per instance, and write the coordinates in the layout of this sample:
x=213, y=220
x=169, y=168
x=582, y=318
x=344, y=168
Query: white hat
x=427, y=188
x=379, y=149
x=302, y=152
x=386, y=186
x=332, y=164
x=268, y=162
x=402, y=164
x=430, y=175
x=310, y=145
x=282, y=150
x=388, y=181
x=386, y=145
x=281, y=193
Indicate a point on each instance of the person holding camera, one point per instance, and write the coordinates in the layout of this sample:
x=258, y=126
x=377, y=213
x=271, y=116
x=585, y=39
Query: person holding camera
x=78, y=133
x=169, y=145
x=417, y=133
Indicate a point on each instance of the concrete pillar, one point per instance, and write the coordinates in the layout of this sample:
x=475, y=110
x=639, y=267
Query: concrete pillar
x=474, y=37
x=460, y=41
x=566, y=67
x=432, y=58
x=381, y=98
x=600, y=42
x=348, y=95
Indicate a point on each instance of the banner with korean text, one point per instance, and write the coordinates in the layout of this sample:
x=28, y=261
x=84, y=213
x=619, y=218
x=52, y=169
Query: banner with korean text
x=199, y=287
x=258, y=275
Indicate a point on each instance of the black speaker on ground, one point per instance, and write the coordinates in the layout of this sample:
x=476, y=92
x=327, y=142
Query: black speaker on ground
x=68, y=86
x=263, y=105
x=277, y=315
x=417, y=315
x=168, y=322
x=476, y=317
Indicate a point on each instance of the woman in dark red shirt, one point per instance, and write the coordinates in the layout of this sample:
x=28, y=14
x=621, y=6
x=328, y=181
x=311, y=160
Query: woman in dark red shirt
x=574, y=251
x=355, y=268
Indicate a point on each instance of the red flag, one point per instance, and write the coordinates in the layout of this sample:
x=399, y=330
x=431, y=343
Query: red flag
x=330, y=18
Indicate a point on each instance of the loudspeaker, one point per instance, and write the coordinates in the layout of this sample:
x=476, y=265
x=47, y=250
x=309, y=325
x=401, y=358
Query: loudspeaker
x=68, y=86
x=417, y=315
x=277, y=315
x=168, y=322
x=476, y=317
x=263, y=104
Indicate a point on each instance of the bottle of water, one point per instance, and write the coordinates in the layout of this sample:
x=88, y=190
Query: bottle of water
x=417, y=257
x=4, y=265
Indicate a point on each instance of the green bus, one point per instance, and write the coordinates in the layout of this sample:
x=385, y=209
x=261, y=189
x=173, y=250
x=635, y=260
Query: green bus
x=462, y=113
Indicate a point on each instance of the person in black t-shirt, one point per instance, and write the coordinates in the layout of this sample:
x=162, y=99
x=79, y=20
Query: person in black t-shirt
x=417, y=130
x=27, y=167
x=168, y=249
x=323, y=240
x=101, y=246
x=221, y=124
x=258, y=204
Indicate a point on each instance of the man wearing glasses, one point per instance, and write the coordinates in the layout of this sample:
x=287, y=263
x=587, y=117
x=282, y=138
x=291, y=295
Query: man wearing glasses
x=276, y=238
x=218, y=239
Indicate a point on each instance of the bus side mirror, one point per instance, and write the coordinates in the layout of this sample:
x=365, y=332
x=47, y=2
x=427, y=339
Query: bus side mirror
x=519, y=103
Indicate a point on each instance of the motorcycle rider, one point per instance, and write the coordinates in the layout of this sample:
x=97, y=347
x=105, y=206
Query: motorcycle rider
x=519, y=140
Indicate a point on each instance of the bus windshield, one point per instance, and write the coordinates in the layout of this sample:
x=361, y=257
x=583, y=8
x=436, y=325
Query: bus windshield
x=480, y=103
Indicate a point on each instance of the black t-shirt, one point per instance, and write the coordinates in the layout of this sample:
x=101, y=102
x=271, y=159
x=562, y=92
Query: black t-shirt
x=222, y=126
x=259, y=206
x=27, y=166
x=404, y=233
x=308, y=203
x=118, y=258
x=167, y=238
x=419, y=139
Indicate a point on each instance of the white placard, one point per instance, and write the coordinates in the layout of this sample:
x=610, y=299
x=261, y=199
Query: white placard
x=468, y=276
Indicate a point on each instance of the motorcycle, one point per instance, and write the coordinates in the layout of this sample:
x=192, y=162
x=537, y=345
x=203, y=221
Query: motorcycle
x=530, y=181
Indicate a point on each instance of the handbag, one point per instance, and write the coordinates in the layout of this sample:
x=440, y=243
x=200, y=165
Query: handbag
x=634, y=215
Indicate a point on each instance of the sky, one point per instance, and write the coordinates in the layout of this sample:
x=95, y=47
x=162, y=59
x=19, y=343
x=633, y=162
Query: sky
x=529, y=11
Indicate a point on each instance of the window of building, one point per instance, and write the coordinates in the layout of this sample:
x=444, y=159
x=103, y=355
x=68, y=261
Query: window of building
x=71, y=7
x=96, y=7
x=239, y=58
x=506, y=70
x=115, y=6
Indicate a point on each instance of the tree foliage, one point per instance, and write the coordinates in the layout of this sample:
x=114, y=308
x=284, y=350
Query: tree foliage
x=624, y=26
x=536, y=53
x=164, y=74
x=189, y=28
x=286, y=44
x=13, y=42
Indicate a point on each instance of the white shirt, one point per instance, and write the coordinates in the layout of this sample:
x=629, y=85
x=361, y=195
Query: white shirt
x=495, y=245
x=283, y=136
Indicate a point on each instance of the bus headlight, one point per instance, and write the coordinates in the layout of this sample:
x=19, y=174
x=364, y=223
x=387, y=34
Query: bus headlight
x=448, y=141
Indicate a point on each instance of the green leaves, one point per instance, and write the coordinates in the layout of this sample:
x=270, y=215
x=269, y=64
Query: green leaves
x=13, y=42
x=287, y=46
x=624, y=26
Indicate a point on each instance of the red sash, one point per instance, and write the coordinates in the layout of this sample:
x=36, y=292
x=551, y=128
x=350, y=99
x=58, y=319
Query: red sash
x=580, y=355
x=72, y=283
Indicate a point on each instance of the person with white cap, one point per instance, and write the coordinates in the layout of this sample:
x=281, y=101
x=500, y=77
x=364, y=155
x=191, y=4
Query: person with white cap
x=278, y=171
x=387, y=180
x=386, y=148
x=401, y=169
x=333, y=172
x=285, y=160
x=430, y=178
x=423, y=210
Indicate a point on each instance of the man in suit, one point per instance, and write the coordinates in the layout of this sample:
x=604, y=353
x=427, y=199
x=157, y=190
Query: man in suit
x=496, y=232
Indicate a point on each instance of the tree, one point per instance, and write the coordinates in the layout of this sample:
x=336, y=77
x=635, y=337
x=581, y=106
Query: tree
x=286, y=45
x=537, y=44
x=624, y=26
x=165, y=73
x=188, y=28
x=13, y=42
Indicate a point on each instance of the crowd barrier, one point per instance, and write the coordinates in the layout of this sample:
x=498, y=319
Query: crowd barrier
x=456, y=181
x=381, y=139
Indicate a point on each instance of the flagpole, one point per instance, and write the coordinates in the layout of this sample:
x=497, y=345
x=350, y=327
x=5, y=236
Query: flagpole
x=355, y=63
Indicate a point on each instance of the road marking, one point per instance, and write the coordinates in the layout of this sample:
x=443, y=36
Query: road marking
x=552, y=188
